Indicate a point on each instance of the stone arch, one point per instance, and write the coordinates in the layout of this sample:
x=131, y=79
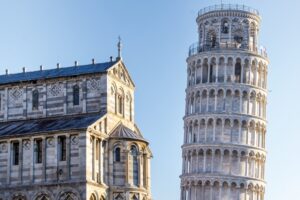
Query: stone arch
x=252, y=103
x=210, y=129
x=68, y=194
x=19, y=196
x=236, y=102
x=228, y=100
x=211, y=101
x=230, y=70
x=220, y=100
x=205, y=71
x=213, y=70
x=221, y=70
x=197, y=102
x=195, y=131
x=238, y=70
x=246, y=71
x=211, y=39
x=235, y=131
x=227, y=131
x=93, y=197
x=43, y=195
x=245, y=98
x=202, y=130
x=218, y=130
x=204, y=97
x=225, y=25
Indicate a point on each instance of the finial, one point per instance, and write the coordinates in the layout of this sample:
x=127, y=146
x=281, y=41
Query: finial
x=119, y=49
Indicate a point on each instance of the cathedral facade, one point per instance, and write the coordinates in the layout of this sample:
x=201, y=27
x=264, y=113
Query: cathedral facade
x=225, y=121
x=69, y=134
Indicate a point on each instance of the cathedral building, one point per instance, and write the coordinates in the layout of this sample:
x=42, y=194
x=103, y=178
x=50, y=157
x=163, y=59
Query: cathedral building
x=225, y=121
x=69, y=134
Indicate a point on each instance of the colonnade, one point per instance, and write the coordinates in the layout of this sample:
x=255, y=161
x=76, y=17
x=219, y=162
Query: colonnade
x=220, y=100
x=224, y=161
x=225, y=130
x=221, y=190
x=228, y=70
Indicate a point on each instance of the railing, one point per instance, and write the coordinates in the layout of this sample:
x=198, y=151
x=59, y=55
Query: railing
x=197, y=48
x=228, y=7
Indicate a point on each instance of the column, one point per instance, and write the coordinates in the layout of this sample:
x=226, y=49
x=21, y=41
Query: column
x=44, y=99
x=221, y=162
x=246, y=165
x=225, y=73
x=9, y=161
x=207, y=100
x=127, y=167
x=32, y=160
x=65, y=97
x=211, y=191
x=208, y=77
x=94, y=154
x=230, y=161
x=222, y=131
x=220, y=191
x=212, y=161
x=6, y=104
x=84, y=91
x=68, y=155
x=197, y=164
x=240, y=132
x=20, y=159
x=100, y=167
x=44, y=160
x=214, y=129
x=242, y=71
x=216, y=100
x=204, y=160
x=217, y=72
x=205, y=131
x=140, y=169
x=201, y=74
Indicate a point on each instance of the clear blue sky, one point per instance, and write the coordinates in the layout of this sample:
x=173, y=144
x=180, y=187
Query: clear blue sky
x=156, y=36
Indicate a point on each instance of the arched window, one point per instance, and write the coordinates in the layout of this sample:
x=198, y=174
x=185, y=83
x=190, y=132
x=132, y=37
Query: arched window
x=19, y=197
x=211, y=39
x=238, y=72
x=135, y=165
x=238, y=36
x=35, y=100
x=42, y=197
x=93, y=197
x=118, y=197
x=120, y=104
x=134, y=197
x=225, y=27
x=75, y=95
x=117, y=154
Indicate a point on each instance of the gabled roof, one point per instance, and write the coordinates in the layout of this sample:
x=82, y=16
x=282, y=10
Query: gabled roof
x=123, y=132
x=63, y=123
x=56, y=73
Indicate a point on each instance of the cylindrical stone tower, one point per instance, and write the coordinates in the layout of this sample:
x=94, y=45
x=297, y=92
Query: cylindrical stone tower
x=225, y=121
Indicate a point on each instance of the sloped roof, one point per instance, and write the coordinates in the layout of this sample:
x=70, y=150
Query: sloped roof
x=56, y=73
x=122, y=131
x=14, y=128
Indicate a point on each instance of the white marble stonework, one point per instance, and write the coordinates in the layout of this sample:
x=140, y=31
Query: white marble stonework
x=225, y=121
x=72, y=137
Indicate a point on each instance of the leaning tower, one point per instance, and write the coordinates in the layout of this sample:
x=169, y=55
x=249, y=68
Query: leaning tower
x=225, y=121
